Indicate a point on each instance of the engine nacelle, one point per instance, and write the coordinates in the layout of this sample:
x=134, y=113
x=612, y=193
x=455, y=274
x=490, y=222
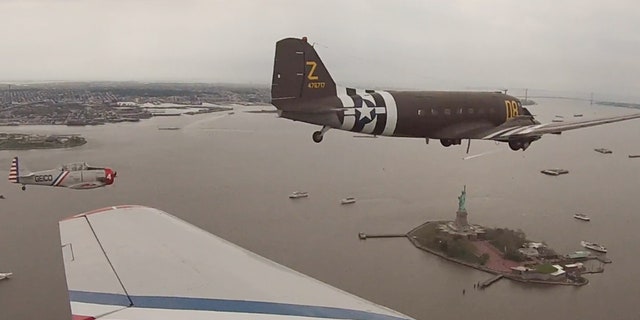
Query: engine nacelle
x=450, y=142
x=520, y=144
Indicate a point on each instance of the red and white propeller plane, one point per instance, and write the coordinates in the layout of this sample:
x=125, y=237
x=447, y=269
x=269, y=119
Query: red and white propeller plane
x=78, y=175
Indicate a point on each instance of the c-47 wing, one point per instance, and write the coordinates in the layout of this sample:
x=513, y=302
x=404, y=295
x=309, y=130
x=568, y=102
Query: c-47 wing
x=525, y=127
x=133, y=262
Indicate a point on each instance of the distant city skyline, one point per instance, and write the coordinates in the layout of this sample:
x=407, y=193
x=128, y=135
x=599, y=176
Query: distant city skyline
x=573, y=46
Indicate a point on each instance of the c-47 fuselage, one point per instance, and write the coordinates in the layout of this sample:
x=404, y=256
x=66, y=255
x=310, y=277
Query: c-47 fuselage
x=303, y=90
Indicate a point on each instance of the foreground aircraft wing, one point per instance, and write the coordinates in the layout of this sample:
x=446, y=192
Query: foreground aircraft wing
x=519, y=128
x=133, y=262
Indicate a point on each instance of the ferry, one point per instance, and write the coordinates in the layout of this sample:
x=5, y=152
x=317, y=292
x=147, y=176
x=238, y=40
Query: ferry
x=603, y=150
x=5, y=275
x=593, y=246
x=581, y=216
x=348, y=200
x=299, y=194
x=555, y=172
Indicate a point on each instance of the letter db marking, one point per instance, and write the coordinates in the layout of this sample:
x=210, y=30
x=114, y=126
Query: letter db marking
x=511, y=108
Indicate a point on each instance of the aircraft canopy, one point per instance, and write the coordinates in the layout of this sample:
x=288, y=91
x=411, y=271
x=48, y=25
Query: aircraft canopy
x=76, y=166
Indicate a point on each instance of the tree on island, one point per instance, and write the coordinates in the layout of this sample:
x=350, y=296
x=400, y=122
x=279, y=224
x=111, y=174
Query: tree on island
x=507, y=241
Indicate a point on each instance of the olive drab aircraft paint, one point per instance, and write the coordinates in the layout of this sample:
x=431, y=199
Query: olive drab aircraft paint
x=73, y=175
x=303, y=90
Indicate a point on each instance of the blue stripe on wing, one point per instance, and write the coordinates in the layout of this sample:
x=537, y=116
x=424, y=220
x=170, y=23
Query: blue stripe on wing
x=222, y=305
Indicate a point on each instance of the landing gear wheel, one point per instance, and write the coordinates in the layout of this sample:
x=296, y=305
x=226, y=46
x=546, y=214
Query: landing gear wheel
x=515, y=145
x=317, y=136
x=24, y=188
x=446, y=142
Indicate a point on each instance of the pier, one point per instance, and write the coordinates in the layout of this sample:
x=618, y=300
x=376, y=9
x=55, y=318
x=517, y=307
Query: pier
x=364, y=236
x=491, y=281
x=603, y=259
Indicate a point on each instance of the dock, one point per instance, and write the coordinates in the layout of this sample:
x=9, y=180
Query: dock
x=603, y=259
x=491, y=281
x=364, y=236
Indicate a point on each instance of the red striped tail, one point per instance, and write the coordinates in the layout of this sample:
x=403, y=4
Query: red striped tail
x=14, y=172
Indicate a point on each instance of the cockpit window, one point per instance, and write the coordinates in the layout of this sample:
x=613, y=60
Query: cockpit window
x=79, y=166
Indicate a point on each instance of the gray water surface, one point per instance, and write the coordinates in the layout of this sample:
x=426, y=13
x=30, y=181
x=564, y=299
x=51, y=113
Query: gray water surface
x=231, y=175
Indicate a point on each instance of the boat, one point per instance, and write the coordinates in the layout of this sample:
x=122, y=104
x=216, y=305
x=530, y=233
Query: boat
x=593, y=246
x=5, y=275
x=348, y=200
x=603, y=150
x=555, y=172
x=581, y=216
x=578, y=115
x=634, y=156
x=299, y=194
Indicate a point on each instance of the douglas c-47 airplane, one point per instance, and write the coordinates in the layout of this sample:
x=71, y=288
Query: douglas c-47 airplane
x=303, y=90
x=74, y=175
x=139, y=263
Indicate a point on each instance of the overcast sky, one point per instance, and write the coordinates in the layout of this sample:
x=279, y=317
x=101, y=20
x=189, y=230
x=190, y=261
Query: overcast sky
x=578, y=46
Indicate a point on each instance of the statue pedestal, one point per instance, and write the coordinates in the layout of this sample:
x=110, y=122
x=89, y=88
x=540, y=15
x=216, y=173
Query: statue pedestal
x=461, y=220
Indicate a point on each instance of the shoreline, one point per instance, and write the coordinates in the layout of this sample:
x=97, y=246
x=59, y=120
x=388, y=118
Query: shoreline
x=413, y=239
x=26, y=141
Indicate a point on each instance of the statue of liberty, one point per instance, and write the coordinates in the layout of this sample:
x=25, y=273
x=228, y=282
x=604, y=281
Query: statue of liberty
x=462, y=199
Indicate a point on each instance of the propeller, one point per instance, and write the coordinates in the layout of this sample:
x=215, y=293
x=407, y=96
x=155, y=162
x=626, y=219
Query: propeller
x=110, y=176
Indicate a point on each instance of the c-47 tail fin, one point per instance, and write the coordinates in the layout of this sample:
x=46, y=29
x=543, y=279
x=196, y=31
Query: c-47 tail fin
x=298, y=75
x=14, y=172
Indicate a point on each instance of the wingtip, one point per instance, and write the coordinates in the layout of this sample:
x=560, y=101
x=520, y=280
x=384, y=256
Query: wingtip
x=101, y=210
